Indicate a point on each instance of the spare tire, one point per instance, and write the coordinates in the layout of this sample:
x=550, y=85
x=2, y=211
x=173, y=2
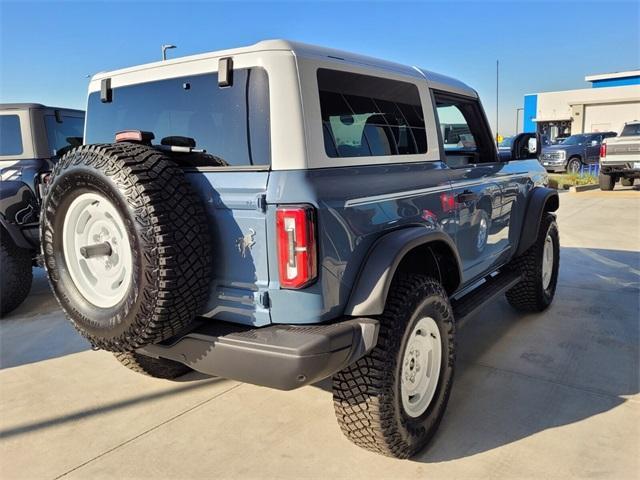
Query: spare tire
x=126, y=245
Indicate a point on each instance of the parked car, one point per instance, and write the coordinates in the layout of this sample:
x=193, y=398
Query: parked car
x=620, y=158
x=573, y=152
x=283, y=213
x=32, y=138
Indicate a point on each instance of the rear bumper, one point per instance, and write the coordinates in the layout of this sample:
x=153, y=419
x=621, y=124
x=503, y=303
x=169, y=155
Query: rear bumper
x=627, y=168
x=278, y=356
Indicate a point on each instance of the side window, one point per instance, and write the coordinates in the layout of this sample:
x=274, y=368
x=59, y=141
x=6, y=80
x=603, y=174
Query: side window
x=365, y=116
x=465, y=134
x=454, y=128
x=10, y=135
x=63, y=134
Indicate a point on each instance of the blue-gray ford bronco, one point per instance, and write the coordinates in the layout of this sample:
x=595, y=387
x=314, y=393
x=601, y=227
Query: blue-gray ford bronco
x=281, y=213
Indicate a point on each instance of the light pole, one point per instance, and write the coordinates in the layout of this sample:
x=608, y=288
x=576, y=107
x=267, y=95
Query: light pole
x=497, y=77
x=164, y=51
x=518, y=110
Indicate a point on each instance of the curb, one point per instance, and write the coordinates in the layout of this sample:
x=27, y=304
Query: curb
x=582, y=188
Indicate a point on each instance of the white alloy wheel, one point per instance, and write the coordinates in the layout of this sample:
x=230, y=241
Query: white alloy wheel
x=547, y=262
x=420, y=367
x=483, y=232
x=97, y=250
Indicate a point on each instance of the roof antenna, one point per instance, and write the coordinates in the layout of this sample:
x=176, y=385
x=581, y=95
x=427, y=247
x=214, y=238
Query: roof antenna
x=164, y=51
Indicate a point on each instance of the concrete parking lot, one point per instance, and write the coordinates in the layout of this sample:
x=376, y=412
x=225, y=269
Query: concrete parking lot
x=554, y=395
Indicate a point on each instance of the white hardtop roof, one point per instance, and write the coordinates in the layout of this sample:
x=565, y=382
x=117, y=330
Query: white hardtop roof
x=304, y=50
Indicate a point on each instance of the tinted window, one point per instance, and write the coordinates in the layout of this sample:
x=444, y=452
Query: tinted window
x=454, y=127
x=630, y=130
x=10, y=135
x=231, y=123
x=64, y=134
x=575, y=140
x=364, y=116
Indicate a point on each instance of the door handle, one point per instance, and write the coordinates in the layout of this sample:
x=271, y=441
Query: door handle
x=467, y=196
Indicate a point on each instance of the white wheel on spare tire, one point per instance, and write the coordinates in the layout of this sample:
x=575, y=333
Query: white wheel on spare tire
x=97, y=250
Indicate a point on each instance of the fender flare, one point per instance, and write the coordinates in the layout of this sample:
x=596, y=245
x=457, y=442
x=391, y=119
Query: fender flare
x=369, y=293
x=541, y=199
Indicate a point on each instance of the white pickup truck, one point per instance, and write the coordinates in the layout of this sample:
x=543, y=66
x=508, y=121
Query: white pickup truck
x=620, y=157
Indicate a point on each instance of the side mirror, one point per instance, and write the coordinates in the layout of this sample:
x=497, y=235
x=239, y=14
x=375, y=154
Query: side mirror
x=525, y=146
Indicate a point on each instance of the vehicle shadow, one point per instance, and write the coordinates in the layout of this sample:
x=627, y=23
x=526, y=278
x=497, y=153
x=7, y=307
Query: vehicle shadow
x=37, y=330
x=521, y=374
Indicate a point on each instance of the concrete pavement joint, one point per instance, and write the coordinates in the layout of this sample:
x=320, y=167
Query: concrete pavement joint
x=149, y=430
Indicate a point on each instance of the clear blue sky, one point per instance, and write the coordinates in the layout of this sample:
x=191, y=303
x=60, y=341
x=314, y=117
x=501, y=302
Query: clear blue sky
x=48, y=48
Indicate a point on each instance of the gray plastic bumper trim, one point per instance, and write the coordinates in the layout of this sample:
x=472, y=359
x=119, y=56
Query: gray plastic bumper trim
x=278, y=356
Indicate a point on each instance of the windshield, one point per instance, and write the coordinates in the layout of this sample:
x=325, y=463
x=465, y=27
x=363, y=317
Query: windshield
x=630, y=130
x=575, y=140
x=506, y=143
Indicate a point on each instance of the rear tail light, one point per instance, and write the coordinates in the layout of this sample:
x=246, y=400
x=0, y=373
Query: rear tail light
x=603, y=150
x=296, y=236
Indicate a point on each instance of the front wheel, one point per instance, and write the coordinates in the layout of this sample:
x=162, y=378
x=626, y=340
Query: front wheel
x=392, y=400
x=626, y=182
x=539, y=269
x=16, y=276
x=574, y=165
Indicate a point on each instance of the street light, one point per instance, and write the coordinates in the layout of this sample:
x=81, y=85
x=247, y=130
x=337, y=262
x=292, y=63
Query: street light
x=164, y=51
x=518, y=110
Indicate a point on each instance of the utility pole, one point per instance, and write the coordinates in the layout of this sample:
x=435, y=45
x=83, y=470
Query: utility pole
x=164, y=51
x=497, y=80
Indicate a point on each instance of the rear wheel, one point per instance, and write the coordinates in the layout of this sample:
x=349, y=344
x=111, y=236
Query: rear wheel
x=539, y=269
x=153, y=367
x=392, y=400
x=16, y=276
x=626, y=182
x=126, y=245
x=606, y=182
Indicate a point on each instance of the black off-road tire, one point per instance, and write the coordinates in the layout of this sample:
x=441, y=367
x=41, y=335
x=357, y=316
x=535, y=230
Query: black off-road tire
x=168, y=232
x=366, y=395
x=626, y=182
x=153, y=367
x=529, y=295
x=606, y=182
x=16, y=275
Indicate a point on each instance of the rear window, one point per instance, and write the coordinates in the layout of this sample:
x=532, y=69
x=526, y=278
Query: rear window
x=63, y=133
x=231, y=123
x=10, y=135
x=630, y=130
x=365, y=116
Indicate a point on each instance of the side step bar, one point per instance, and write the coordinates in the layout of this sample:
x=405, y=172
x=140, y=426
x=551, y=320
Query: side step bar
x=467, y=305
x=278, y=356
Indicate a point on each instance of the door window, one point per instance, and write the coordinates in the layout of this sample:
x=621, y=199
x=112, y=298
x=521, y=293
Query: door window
x=466, y=137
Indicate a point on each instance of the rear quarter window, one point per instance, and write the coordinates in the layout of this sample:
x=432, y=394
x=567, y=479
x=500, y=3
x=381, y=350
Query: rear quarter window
x=367, y=116
x=231, y=123
x=10, y=135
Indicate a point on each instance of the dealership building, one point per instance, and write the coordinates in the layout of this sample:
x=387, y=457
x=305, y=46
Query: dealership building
x=612, y=100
